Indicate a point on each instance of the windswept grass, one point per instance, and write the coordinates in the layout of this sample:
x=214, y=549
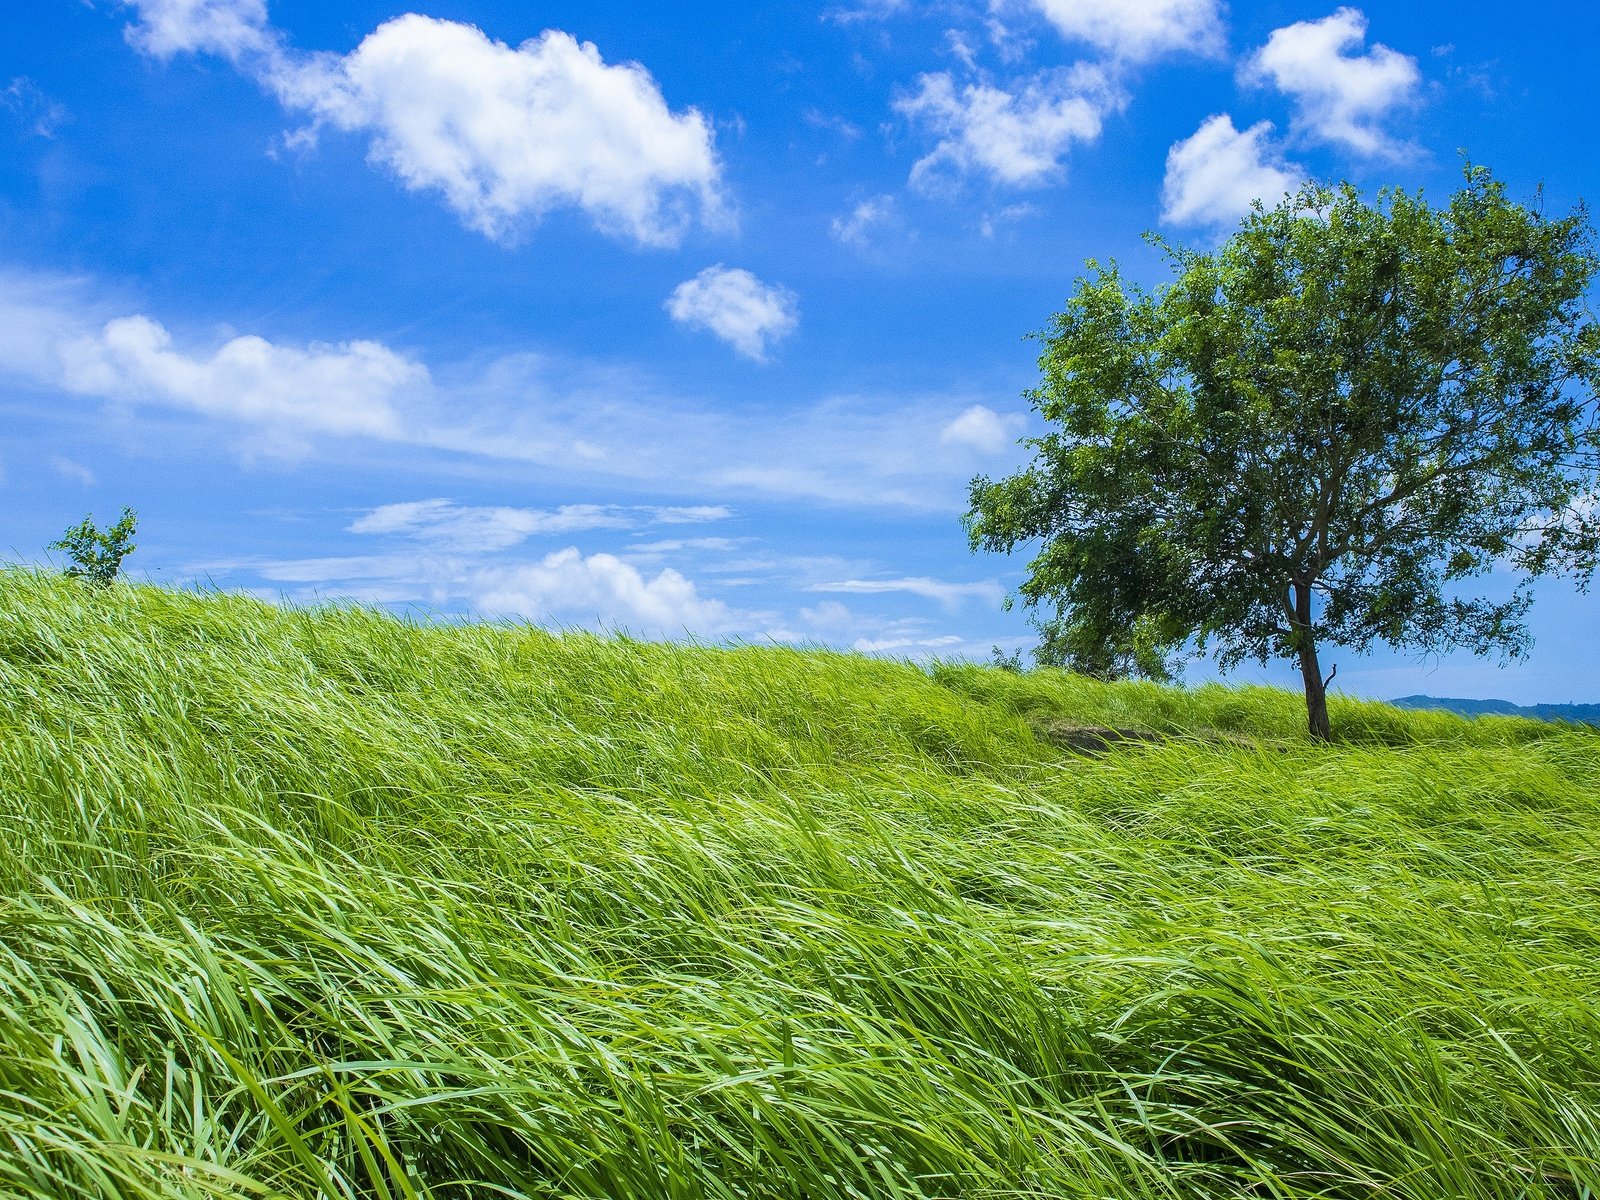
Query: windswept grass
x=316, y=903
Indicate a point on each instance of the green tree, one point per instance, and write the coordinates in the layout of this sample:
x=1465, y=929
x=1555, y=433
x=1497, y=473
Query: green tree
x=97, y=554
x=1143, y=651
x=1311, y=434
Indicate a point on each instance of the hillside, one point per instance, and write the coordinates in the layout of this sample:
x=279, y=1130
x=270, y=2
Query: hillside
x=322, y=903
x=1587, y=713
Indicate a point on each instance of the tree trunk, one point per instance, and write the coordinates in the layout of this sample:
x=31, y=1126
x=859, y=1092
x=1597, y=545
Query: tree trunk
x=1310, y=668
x=1316, y=692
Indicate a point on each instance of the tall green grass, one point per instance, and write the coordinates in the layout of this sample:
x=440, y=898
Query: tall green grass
x=319, y=903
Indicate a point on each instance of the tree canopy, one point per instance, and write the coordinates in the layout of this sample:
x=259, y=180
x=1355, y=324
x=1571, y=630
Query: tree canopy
x=1310, y=435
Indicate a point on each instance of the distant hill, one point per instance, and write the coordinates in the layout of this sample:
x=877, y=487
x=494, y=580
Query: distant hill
x=1504, y=708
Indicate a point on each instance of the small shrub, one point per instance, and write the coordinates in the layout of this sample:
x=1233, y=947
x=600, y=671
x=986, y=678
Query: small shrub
x=999, y=659
x=97, y=554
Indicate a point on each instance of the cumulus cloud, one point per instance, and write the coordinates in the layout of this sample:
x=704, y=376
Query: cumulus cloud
x=983, y=429
x=231, y=29
x=347, y=389
x=465, y=528
x=1017, y=138
x=1341, y=96
x=567, y=587
x=1215, y=174
x=563, y=588
x=503, y=135
x=1138, y=30
x=508, y=134
x=737, y=307
x=1018, y=133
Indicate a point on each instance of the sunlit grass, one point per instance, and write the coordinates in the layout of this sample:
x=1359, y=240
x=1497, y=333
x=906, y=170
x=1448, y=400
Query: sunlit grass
x=320, y=903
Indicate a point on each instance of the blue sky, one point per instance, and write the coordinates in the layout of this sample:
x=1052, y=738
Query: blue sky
x=668, y=318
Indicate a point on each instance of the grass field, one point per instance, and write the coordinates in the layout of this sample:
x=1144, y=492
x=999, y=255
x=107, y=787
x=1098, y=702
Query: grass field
x=319, y=903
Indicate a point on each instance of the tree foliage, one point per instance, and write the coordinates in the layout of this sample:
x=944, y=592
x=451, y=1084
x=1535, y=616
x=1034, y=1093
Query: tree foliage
x=1145, y=650
x=96, y=555
x=1312, y=434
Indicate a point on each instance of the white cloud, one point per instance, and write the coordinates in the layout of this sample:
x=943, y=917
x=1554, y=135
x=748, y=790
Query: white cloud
x=602, y=589
x=676, y=545
x=29, y=104
x=347, y=389
x=1016, y=138
x=1215, y=174
x=467, y=528
x=947, y=594
x=578, y=420
x=69, y=469
x=232, y=29
x=887, y=645
x=995, y=222
x=737, y=307
x=38, y=315
x=961, y=49
x=564, y=588
x=983, y=429
x=506, y=135
x=503, y=135
x=1137, y=30
x=866, y=10
x=856, y=229
x=1341, y=96
x=687, y=514
x=571, y=588
x=483, y=528
x=846, y=129
x=830, y=622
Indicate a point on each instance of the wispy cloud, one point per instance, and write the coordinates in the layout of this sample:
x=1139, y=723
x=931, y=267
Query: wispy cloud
x=715, y=545
x=577, y=419
x=444, y=523
x=37, y=112
x=948, y=594
x=866, y=219
x=865, y=10
x=73, y=470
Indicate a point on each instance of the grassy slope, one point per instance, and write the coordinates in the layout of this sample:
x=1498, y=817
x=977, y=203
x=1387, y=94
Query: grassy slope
x=320, y=903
